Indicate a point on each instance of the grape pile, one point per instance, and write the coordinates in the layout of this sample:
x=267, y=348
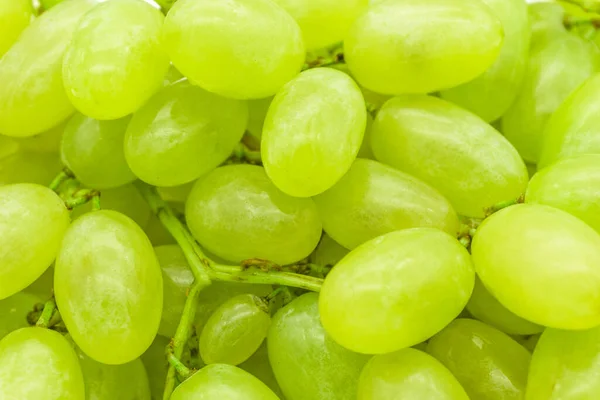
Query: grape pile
x=299, y=200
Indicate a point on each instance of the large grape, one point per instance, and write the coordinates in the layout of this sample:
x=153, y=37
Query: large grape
x=307, y=363
x=313, y=131
x=182, y=133
x=373, y=199
x=451, y=149
x=374, y=299
x=15, y=16
x=420, y=46
x=33, y=221
x=108, y=287
x=14, y=310
x=542, y=264
x=115, y=62
x=244, y=49
x=32, y=96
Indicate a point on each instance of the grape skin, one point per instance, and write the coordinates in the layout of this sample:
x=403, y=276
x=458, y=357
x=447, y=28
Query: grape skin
x=15, y=16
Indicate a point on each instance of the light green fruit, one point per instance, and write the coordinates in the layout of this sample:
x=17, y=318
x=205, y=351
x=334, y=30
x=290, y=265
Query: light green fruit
x=14, y=310
x=46, y=142
x=42, y=286
x=15, y=16
x=546, y=20
x=156, y=366
x=257, y=112
x=29, y=167
x=328, y=251
x=259, y=366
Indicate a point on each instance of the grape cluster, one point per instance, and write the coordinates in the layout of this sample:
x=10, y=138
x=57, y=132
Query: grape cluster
x=299, y=199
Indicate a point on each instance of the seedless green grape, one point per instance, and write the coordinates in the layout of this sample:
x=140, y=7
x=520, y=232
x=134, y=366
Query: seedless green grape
x=307, y=363
x=237, y=213
x=108, y=287
x=373, y=199
x=39, y=364
x=15, y=16
x=244, y=49
x=396, y=279
x=14, y=310
x=488, y=363
x=394, y=47
x=178, y=193
x=452, y=150
x=547, y=20
x=115, y=62
x=93, y=150
x=32, y=96
x=408, y=374
x=313, y=131
x=33, y=221
x=222, y=381
x=182, y=133
x=328, y=252
x=526, y=252
x=491, y=94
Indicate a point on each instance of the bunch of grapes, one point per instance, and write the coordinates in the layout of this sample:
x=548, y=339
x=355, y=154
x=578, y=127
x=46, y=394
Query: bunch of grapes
x=299, y=199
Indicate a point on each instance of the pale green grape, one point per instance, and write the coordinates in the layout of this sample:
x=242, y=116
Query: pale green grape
x=14, y=310
x=32, y=96
x=114, y=382
x=546, y=20
x=257, y=112
x=542, y=264
x=373, y=199
x=565, y=366
x=324, y=22
x=15, y=16
x=235, y=330
x=452, y=150
x=421, y=46
x=39, y=364
x=237, y=213
x=328, y=251
x=406, y=375
x=182, y=133
x=491, y=94
x=48, y=4
x=374, y=299
x=108, y=287
x=307, y=363
x=259, y=366
x=313, y=131
x=571, y=185
x=487, y=363
x=365, y=150
x=244, y=49
x=47, y=142
x=178, y=193
x=557, y=66
x=29, y=167
x=483, y=306
x=156, y=366
x=93, y=150
x=373, y=99
x=8, y=146
x=115, y=62
x=33, y=221
x=223, y=381
x=573, y=128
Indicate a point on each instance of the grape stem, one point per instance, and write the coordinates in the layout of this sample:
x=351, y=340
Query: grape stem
x=81, y=197
x=242, y=153
x=47, y=314
x=96, y=202
x=61, y=178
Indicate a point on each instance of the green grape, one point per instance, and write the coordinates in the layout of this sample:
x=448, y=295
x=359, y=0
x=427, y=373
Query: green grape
x=115, y=62
x=181, y=133
x=237, y=213
x=365, y=150
x=15, y=16
x=546, y=20
x=565, y=366
x=491, y=94
x=571, y=185
x=259, y=366
x=328, y=251
x=8, y=146
x=557, y=66
x=487, y=363
x=405, y=375
x=47, y=142
x=257, y=112
x=313, y=131
x=177, y=279
x=373, y=199
x=33, y=221
x=243, y=49
x=307, y=363
x=28, y=167
x=48, y=4
x=542, y=264
x=42, y=287
x=108, y=287
x=124, y=199
x=373, y=99
x=573, y=128
x=178, y=193
x=14, y=310
x=374, y=300
x=93, y=150
x=156, y=366
x=32, y=96
x=235, y=330
x=39, y=364
x=395, y=48
x=114, y=382
x=223, y=381
x=483, y=306
x=452, y=150
x=323, y=22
